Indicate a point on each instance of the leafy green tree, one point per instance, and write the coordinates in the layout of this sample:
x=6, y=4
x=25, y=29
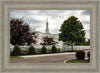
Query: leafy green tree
x=72, y=31
x=88, y=42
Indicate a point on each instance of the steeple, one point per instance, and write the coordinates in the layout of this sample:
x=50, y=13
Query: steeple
x=47, y=29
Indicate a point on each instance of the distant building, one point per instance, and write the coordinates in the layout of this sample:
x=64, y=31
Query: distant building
x=40, y=36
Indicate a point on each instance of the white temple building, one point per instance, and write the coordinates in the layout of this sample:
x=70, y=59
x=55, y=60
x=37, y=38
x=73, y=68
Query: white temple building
x=40, y=36
x=59, y=44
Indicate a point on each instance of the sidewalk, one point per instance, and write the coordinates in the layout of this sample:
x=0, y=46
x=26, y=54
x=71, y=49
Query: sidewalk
x=44, y=55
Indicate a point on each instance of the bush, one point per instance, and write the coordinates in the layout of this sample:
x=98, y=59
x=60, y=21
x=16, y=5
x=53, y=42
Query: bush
x=44, y=49
x=31, y=50
x=16, y=50
x=88, y=54
x=80, y=55
x=54, y=49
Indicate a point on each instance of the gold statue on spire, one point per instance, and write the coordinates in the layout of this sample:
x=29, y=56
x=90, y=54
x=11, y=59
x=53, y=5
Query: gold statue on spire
x=47, y=19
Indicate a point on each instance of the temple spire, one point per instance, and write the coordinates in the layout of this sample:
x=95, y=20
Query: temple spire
x=47, y=29
x=47, y=19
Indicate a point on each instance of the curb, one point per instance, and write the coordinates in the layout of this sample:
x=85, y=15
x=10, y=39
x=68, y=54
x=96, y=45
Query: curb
x=65, y=61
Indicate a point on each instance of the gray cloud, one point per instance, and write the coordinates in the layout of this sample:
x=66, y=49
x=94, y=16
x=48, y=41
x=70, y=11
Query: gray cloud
x=86, y=12
x=52, y=13
x=37, y=18
x=86, y=22
x=34, y=21
x=55, y=31
x=88, y=31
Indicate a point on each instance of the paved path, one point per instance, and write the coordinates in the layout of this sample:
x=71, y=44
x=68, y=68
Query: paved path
x=45, y=58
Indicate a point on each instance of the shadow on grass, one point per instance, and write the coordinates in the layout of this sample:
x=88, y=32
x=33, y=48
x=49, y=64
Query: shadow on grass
x=78, y=61
x=15, y=57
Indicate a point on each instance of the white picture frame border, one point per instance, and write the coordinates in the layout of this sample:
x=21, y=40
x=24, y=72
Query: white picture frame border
x=7, y=5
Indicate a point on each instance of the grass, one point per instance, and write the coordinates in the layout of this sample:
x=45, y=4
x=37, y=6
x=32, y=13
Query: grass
x=71, y=51
x=78, y=61
x=15, y=57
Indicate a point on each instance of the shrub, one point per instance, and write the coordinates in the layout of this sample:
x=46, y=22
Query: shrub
x=31, y=50
x=80, y=55
x=16, y=50
x=44, y=49
x=54, y=49
x=88, y=54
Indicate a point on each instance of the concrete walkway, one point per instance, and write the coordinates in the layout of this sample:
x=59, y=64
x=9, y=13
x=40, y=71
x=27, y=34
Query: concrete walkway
x=44, y=55
x=45, y=58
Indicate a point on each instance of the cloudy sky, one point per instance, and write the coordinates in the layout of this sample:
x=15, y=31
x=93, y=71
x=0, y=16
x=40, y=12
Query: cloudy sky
x=37, y=18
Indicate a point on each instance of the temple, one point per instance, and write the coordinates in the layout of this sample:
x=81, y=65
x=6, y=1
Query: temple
x=47, y=29
x=40, y=36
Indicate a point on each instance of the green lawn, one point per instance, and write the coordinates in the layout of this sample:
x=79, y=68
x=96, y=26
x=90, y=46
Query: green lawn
x=15, y=57
x=71, y=51
x=78, y=61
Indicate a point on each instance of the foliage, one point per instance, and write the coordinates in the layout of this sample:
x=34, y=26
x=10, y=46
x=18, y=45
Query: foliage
x=54, y=49
x=78, y=61
x=80, y=55
x=72, y=31
x=44, y=49
x=86, y=42
x=20, y=32
x=88, y=54
x=16, y=50
x=31, y=50
x=48, y=41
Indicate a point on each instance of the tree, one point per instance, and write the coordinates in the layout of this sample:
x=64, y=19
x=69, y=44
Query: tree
x=54, y=49
x=88, y=41
x=20, y=32
x=44, y=49
x=31, y=50
x=72, y=31
x=48, y=41
x=16, y=50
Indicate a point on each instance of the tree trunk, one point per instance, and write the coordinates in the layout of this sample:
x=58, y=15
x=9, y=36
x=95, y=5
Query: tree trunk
x=71, y=46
